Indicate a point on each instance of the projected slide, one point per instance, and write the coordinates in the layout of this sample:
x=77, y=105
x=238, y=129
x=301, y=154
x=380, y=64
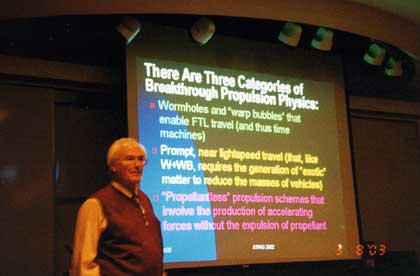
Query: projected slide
x=242, y=167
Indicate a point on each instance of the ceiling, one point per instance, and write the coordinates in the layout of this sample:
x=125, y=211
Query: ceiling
x=74, y=31
x=409, y=9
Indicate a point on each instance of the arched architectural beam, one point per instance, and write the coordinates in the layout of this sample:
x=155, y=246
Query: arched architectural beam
x=349, y=16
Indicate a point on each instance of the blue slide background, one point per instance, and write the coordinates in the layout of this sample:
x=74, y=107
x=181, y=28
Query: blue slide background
x=185, y=245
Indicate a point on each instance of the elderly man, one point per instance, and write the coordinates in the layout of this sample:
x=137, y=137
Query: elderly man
x=117, y=233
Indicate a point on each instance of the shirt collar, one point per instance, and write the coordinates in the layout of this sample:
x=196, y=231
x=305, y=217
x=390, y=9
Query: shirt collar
x=120, y=188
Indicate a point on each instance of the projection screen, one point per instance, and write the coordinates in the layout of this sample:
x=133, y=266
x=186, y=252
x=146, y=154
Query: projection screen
x=248, y=149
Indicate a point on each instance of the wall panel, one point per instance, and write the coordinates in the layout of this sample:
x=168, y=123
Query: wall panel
x=26, y=189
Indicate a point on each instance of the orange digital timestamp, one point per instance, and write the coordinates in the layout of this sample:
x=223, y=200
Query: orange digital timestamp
x=371, y=249
x=367, y=249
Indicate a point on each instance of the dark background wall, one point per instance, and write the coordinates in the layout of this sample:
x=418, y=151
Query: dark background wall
x=26, y=184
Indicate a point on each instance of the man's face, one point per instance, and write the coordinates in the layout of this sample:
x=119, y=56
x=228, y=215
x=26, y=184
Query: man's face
x=128, y=166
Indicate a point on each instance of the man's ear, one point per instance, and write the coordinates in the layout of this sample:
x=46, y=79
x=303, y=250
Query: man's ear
x=113, y=168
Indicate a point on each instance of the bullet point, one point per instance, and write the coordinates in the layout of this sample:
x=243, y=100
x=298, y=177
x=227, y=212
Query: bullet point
x=154, y=150
x=156, y=198
x=152, y=105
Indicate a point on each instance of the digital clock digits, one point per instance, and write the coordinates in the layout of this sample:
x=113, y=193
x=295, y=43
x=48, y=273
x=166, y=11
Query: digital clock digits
x=370, y=249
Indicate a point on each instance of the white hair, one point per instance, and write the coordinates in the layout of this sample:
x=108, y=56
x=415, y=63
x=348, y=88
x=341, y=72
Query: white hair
x=120, y=145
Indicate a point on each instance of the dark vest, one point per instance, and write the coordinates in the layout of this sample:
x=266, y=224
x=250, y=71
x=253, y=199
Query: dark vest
x=127, y=247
